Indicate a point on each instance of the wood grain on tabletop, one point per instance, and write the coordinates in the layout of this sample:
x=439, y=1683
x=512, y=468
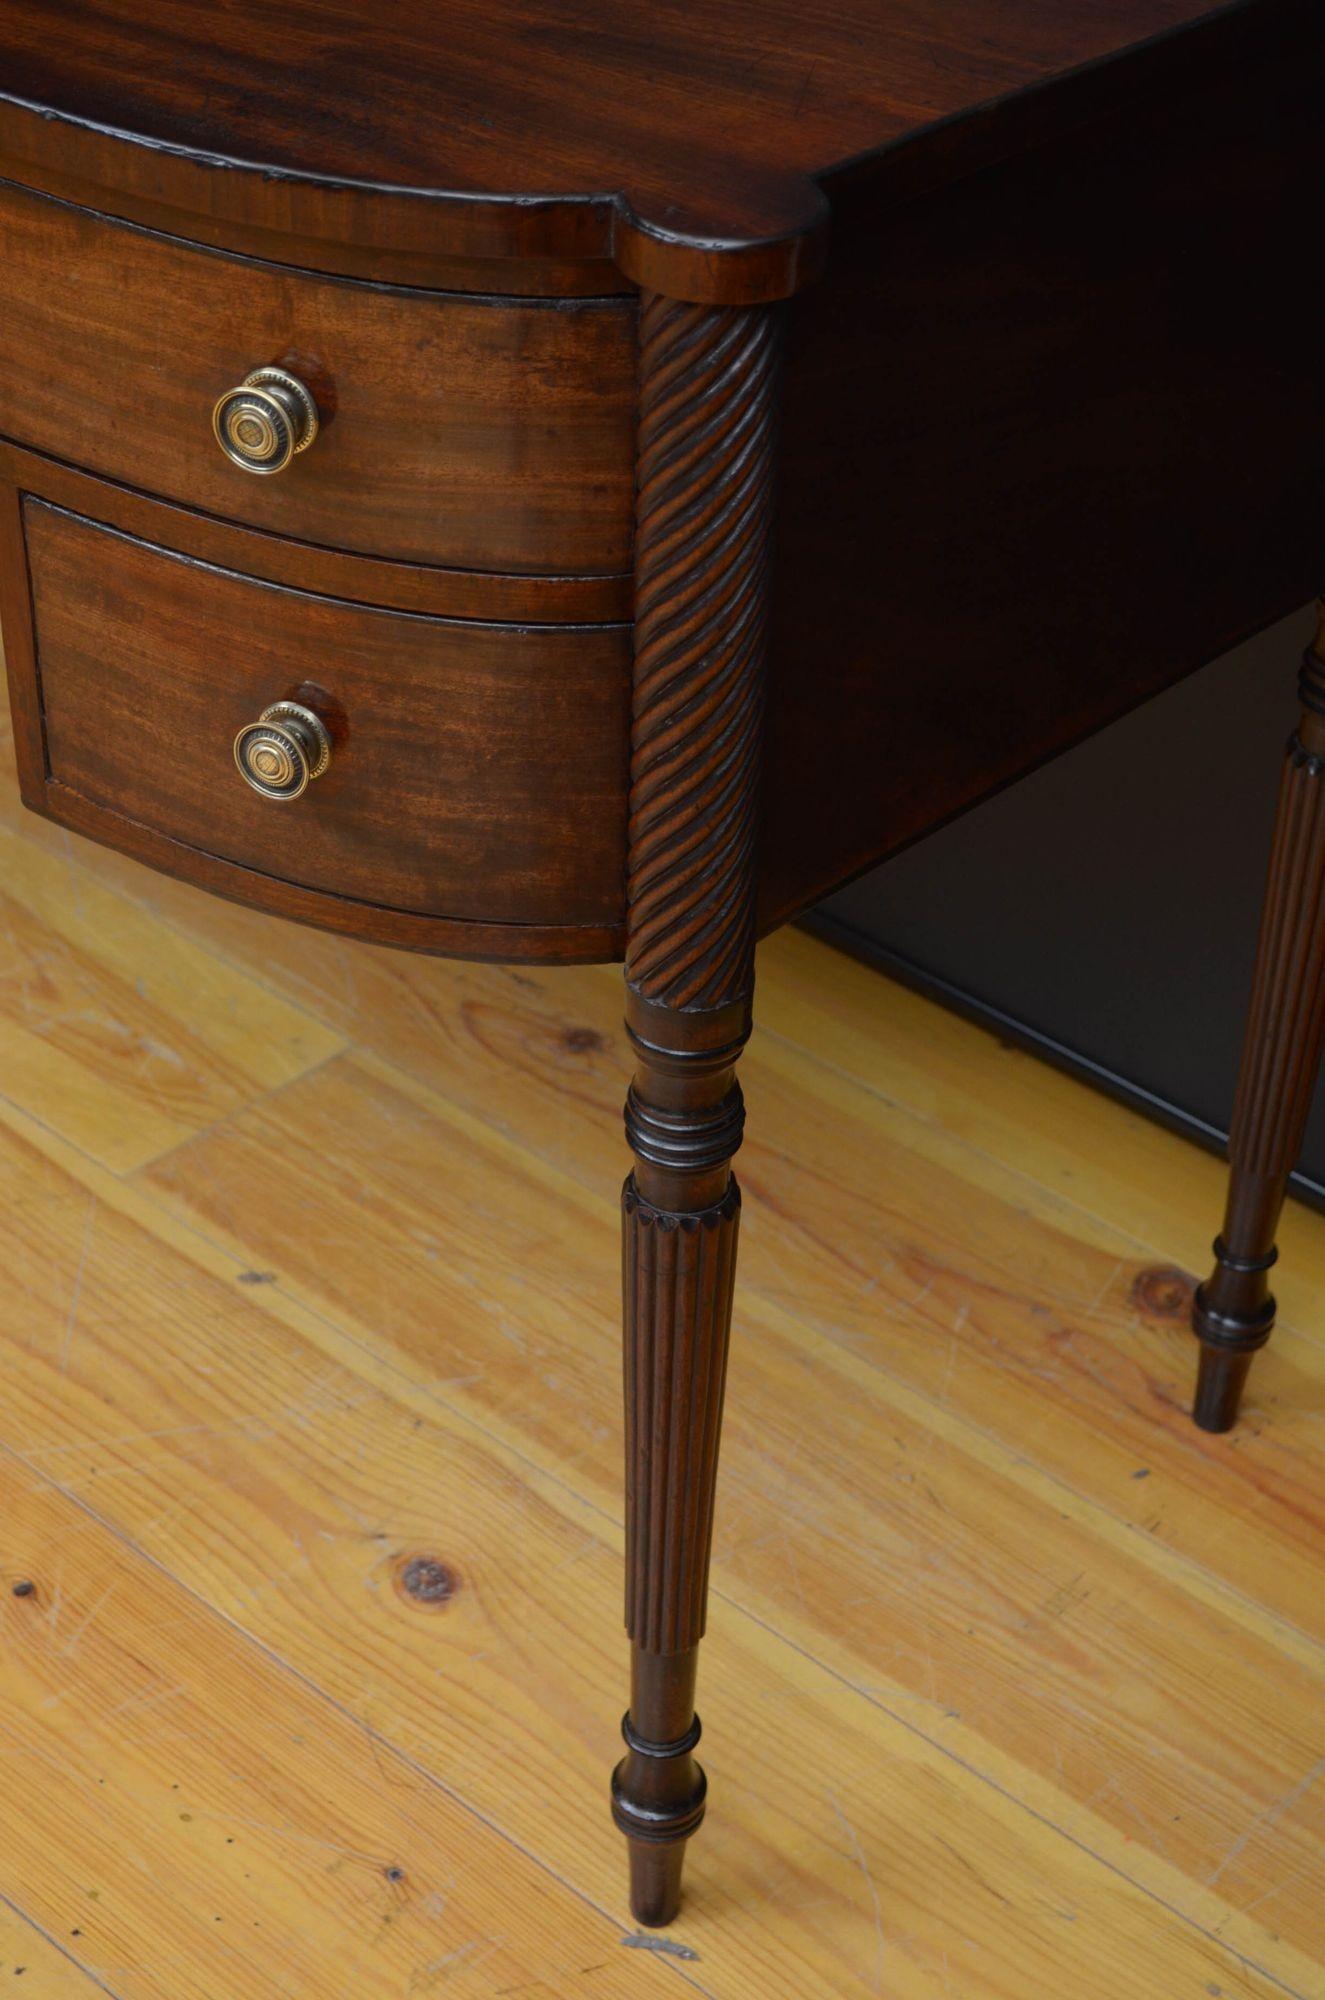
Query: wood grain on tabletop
x=1045, y=1668
x=687, y=144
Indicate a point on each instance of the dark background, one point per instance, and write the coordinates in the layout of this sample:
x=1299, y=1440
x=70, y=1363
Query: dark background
x=1104, y=910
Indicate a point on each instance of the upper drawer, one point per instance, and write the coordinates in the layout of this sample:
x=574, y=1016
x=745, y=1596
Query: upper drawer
x=489, y=434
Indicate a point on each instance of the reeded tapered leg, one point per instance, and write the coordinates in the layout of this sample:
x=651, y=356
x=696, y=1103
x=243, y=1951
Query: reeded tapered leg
x=1234, y=1310
x=704, y=483
x=681, y=1212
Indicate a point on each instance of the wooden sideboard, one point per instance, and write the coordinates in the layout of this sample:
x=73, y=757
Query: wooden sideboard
x=525, y=481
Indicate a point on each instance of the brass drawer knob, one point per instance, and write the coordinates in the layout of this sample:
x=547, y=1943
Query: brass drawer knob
x=283, y=751
x=265, y=421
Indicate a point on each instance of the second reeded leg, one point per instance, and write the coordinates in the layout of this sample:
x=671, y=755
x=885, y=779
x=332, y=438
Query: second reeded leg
x=1234, y=1310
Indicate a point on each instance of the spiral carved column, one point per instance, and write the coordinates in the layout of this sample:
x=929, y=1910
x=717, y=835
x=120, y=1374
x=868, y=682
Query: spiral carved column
x=1234, y=1310
x=704, y=480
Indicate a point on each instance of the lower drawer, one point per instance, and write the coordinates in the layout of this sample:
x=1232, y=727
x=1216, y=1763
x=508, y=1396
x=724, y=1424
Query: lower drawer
x=477, y=773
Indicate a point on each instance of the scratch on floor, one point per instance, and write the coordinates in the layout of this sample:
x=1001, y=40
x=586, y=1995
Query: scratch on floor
x=1104, y=1290
x=71, y=1643
x=864, y=1867
x=57, y=1599
x=75, y=876
x=1148, y=1827
x=427, y=1976
x=1270, y=1817
x=135, y=1704
x=945, y=1387
x=793, y=1568
x=71, y=1319
x=297, y=1836
x=82, y=1446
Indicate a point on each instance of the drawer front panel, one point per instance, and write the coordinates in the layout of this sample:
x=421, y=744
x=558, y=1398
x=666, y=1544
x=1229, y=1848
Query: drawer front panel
x=472, y=433
x=478, y=771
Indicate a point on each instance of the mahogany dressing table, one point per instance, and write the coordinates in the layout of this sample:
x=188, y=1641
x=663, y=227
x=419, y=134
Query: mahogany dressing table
x=526, y=480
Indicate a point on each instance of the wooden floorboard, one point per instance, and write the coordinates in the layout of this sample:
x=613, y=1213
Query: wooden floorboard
x=1015, y=1684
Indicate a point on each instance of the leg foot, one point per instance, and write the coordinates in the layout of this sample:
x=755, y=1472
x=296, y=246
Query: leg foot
x=655, y=1881
x=658, y=1789
x=1232, y=1317
x=1220, y=1378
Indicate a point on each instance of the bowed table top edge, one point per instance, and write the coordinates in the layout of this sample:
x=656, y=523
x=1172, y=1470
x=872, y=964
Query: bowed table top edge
x=530, y=151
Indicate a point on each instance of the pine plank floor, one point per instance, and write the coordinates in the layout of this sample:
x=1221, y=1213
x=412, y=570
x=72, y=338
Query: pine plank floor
x=1015, y=1683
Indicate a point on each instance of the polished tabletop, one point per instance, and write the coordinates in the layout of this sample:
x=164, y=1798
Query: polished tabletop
x=535, y=122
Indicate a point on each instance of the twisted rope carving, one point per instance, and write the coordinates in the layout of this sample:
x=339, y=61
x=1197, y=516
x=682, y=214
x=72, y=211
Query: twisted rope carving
x=704, y=515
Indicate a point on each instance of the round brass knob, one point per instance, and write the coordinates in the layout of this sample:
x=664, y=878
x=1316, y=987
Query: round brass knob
x=283, y=751
x=265, y=421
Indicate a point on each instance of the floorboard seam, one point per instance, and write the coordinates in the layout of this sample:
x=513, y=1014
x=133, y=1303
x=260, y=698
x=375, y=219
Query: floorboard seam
x=58, y=1944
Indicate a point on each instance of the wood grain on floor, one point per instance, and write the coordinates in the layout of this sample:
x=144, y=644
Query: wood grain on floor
x=1015, y=1683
